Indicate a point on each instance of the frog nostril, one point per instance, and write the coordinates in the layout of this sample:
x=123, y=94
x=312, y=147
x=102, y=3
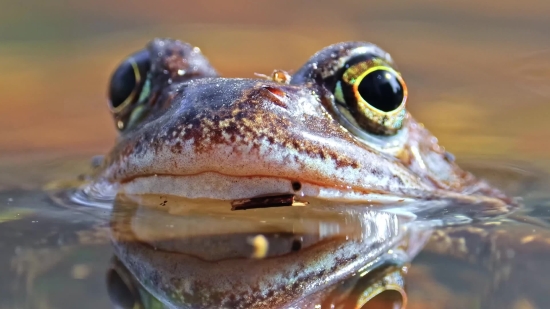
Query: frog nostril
x=296, y=186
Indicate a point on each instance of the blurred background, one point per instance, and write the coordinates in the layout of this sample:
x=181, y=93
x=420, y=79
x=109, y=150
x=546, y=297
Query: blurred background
x=477, y=72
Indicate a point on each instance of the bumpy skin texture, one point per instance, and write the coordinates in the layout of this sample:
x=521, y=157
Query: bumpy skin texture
x=250, y=128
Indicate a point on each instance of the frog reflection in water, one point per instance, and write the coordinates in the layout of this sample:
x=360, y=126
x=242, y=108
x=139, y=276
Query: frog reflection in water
x=337, y=130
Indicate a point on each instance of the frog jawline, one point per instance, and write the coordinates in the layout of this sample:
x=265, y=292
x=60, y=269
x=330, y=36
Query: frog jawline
x=223, y=187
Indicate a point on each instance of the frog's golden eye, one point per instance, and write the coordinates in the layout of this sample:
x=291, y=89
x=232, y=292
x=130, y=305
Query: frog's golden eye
x=371, y=94
x=127, y=82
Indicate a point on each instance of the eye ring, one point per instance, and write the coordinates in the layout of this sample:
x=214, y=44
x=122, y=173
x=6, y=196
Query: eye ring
x=364, y=104
x=372, y=95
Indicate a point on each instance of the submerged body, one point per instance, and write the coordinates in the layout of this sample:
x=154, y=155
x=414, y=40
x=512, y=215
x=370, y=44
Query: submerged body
x=337, y=129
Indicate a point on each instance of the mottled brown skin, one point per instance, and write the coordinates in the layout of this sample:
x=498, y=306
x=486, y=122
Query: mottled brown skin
x=197, y=122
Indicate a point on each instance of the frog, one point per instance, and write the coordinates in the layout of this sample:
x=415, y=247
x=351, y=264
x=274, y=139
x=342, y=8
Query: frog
x=337, y=130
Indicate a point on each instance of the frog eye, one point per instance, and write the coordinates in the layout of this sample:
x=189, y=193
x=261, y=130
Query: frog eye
x=371, y=94
x=127, y=82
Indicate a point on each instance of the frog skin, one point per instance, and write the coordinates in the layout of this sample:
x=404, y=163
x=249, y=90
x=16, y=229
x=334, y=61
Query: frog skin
x=186, y=132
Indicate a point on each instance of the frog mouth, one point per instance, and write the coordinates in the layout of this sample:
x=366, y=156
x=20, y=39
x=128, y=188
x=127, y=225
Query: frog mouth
x=213, y=185
x=218, y=186
x=247, y=192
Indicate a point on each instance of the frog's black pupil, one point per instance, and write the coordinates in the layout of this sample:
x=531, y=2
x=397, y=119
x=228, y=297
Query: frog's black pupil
x=382, y=90
x=123, y=83
x=123, y=80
